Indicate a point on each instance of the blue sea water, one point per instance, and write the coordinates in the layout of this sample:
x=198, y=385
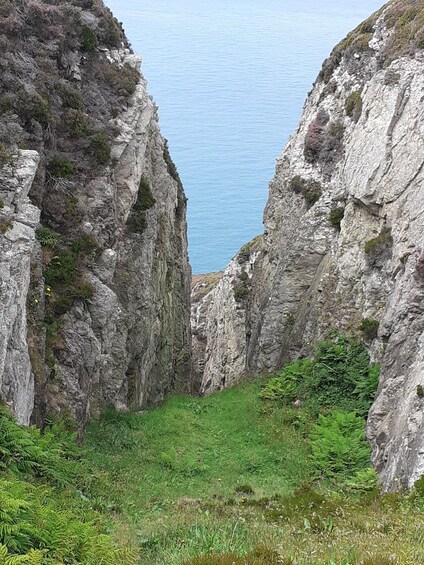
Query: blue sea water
x=230, y=78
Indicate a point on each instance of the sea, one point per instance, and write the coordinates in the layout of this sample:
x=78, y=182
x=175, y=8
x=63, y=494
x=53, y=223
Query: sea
x=230, y=78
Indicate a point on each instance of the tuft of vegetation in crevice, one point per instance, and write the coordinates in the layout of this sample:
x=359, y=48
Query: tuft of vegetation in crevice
x=242, y=287
x=336, y=216
x=369, y=328
x=353, y=105
x=323, y=143
x=310, y=189
x=379, y=249
x=172, y=169
x=137, y=221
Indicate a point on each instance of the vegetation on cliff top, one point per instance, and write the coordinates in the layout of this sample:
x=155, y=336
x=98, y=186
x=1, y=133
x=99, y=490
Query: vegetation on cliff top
x=231, y=478
x=405, y=21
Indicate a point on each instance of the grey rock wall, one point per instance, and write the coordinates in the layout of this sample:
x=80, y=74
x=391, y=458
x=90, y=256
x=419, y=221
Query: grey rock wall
x=18, y=220
x=307, y=277
x=129, y=345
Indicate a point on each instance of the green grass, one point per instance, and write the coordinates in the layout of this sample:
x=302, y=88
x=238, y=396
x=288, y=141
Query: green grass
x=231, y=478
x=193, y=447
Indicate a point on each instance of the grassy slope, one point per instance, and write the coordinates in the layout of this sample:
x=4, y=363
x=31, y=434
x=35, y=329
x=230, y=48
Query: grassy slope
x=176, y=469
x=211, y=477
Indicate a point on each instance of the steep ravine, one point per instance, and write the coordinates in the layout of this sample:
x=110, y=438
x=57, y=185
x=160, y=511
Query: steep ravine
x=94, y=307
x=343, y=242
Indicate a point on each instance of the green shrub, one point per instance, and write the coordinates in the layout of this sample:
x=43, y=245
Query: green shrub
x=76, y=123
x=61, y=166
x=47, y=237
x=353, y=105
x=369, y=327
x=88, y=40
x=5, y=156
x=379, y=247
x=340, y=375
x=297, y=184
x=137, y=221
x=240, y=293
x=420, y=391
x=72, y=97
x=311, y=190
x=1, y=203
x=339, y=446
x=123, y=80
x=336, y=216
x=288, y=385
x=33, y=107
x=100, y=148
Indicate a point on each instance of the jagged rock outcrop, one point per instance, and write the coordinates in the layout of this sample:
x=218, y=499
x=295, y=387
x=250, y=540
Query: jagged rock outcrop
x=95, y=302
x=343, y=240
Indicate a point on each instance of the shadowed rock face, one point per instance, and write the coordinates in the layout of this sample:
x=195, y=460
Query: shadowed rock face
x=101, y=315
x=357, y=149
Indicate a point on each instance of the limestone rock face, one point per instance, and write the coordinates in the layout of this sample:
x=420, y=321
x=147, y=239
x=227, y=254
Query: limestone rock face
x=127, y=345
x=18, y=220
x=343, y=241
x=131, y=345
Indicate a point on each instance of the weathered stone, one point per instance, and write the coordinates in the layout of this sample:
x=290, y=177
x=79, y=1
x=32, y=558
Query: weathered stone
x=18, y=219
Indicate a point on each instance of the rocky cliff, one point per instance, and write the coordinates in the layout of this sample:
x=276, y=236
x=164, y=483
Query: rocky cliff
x=343, y=242
x=94, y=306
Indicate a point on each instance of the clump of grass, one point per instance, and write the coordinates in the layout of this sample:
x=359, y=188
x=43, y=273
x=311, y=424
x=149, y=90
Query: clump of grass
x=353, y=105
x=60, y=166
x=6, y=224
x=244, y=489
x=310, y=189
x=336, y=216
x=369, y=327
x=100, y=148
x=138, y=221
x=378, y=249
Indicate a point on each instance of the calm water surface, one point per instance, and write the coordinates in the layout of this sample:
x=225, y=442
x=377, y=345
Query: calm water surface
x=230, y=78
